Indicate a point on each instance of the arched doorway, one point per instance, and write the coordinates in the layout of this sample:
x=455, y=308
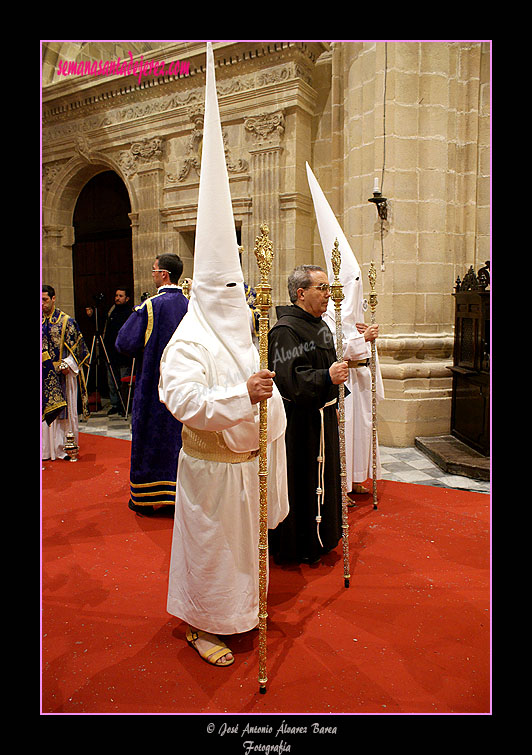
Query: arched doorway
x=102, y=258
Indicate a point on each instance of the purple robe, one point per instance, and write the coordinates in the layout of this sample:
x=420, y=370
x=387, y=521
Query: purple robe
x=155, y=433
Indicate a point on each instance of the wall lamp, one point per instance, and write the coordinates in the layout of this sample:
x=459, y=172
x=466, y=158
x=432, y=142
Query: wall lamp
x=380, y=202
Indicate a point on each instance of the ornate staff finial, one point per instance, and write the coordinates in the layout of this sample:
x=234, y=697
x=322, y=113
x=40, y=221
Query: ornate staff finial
x=264, y=252
x=336, y=259
x=337, y=293
x=372, y=275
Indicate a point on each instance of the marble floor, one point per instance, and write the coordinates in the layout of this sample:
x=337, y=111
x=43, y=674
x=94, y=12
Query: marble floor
x=400, y=464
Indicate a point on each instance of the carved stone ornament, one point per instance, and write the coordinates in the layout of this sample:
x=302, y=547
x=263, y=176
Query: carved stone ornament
x=63, y=121
x=140, y=153
x=266, y=127
x=148, y=149
x=83, y=148
x=127, y=163
x=50, y=172
x=192, y=160
x=233, y=165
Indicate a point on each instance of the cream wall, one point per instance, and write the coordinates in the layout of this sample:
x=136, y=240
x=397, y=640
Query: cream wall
x=418, y=110
x=415, y=116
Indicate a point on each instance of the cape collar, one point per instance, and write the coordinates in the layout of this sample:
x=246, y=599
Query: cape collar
x=168, y=285
x=54, y=316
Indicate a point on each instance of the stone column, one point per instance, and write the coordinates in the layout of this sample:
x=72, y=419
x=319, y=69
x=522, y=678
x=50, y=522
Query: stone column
x=57, y=243
x=143, y=165
x=266, y=132
x=411, y=120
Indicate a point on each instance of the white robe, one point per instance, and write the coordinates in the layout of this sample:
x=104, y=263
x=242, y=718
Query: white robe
x=54, y=435
x=357, y=408
x=358, y=422
x=214, y=576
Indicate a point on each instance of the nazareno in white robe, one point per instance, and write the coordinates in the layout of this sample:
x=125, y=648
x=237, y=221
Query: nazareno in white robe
x=357, y=407
x=358, y=424
x=214, y=572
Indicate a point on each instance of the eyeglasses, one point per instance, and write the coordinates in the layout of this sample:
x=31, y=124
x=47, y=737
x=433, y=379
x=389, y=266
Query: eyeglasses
x=160, y=271
x=324, y=287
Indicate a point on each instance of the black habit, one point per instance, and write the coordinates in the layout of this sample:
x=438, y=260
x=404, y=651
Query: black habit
x=300, y=352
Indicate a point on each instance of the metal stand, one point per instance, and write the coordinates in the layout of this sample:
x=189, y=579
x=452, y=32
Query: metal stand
x=131, y=377
x=97, y=341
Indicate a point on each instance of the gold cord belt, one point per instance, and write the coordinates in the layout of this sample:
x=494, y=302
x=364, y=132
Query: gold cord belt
x=209, y=446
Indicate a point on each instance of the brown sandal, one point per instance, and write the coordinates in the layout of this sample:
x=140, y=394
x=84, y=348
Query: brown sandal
x=359, y=489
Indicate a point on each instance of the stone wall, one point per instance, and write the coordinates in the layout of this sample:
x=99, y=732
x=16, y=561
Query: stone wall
x=414, y=115
x=150, y=131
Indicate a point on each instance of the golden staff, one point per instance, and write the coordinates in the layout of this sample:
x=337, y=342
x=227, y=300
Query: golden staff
x=372, y=275
x=264, y=255
x=337, y=295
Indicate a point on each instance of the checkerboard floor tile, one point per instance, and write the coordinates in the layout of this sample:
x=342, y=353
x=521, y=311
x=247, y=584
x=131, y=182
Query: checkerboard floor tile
x=411, y=465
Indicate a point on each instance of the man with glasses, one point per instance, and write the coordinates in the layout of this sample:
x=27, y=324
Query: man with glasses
x=155, y=433
x=302, y=354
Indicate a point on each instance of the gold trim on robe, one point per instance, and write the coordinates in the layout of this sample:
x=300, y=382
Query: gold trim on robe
x=210, y=446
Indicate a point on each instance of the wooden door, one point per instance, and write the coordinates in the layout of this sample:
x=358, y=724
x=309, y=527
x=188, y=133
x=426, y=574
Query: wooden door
x=101, y=256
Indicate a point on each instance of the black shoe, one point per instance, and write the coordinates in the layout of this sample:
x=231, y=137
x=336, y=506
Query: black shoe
x=112, y=410
x=311, y=560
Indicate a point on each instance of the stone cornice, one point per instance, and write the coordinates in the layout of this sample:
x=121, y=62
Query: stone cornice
x=281, y=86
x=63, y=100
x=416, y=345
x=295, y=200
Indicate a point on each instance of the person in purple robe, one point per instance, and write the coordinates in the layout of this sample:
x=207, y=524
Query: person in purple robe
x=155, y=433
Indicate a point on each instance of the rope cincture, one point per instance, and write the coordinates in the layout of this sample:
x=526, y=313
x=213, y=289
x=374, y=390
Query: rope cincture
x=321, y=468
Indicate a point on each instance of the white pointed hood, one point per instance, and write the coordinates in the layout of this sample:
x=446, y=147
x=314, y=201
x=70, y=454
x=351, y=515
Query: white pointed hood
x=218, y=314
x=217, y=303
x=350, y=273
x=353, y=304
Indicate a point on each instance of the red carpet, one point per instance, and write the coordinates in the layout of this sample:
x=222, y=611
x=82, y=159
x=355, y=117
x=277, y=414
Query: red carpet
x=410, y=635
